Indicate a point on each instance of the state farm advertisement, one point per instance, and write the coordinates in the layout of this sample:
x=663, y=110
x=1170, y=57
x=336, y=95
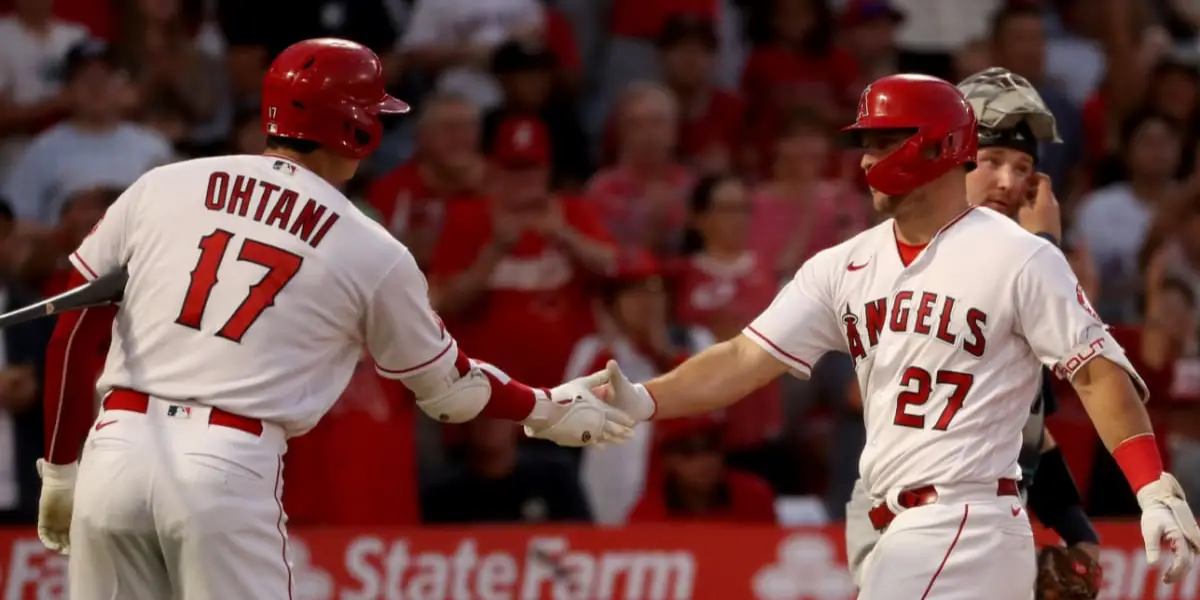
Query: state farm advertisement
x=695, y=562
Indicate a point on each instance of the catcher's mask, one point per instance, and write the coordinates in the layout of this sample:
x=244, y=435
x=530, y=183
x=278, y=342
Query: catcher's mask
x=942, y=124
x=328, y=91
x=1011, y=113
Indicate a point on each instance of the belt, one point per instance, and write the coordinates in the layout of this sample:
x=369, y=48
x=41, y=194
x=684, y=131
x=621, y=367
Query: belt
x=881, y=515
x=138, y=402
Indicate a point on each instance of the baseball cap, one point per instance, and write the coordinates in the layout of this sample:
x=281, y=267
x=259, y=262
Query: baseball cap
x=858, y=12
x=515, y=56
x=688, y=27
x=521, y=142
x=689, y=433
x=85, y=53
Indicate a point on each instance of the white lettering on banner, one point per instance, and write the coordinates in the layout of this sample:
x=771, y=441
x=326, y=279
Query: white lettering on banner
x=549, y=565
x=1066, y=369
x=1127, y=577
x=31, y=565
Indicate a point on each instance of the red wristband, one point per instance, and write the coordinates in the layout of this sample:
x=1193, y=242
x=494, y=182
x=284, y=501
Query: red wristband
x=511, y=400
x=1139, y=460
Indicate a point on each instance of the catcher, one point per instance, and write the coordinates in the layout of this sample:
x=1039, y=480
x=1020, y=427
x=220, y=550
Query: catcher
x=1013, y=121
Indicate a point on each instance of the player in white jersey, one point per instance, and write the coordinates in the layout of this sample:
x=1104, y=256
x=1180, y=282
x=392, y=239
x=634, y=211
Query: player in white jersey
x=254, y=285
x=1013, y=121
x=947, y=312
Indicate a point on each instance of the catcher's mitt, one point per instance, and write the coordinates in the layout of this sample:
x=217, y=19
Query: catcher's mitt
x=1066, y=573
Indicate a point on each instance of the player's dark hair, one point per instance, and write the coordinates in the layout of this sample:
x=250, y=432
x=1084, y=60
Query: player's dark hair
x=275, y=142
x=1010, y=11
x=1172, y=284
x=701, y=203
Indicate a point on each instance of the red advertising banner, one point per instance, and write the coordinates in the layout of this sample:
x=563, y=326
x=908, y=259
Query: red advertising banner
x=695, y=562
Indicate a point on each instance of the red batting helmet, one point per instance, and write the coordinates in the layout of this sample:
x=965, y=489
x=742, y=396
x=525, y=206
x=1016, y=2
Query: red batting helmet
x=941, y=120
x=328, y=91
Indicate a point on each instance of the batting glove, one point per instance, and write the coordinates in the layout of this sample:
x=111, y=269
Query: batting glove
x=1167, y=520
x=572, y=415
x=631, y=398
x=54, y=506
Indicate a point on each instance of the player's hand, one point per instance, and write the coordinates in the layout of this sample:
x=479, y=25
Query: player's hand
x=632, y=399
x=55, y=504
x=1167, y=520
x=573, y=415
x=1040, y=213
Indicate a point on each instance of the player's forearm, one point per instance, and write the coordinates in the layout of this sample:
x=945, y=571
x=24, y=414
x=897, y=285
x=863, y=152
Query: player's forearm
x=1113, y=404
x=713, y=379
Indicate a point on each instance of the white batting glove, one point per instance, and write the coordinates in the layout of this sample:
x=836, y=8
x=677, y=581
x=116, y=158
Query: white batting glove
x=631, y=398
x=573, y=415
x=55, y=504
x=1166, y=519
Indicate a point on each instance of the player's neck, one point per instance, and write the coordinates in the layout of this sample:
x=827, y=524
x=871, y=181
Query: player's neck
x=920, y=224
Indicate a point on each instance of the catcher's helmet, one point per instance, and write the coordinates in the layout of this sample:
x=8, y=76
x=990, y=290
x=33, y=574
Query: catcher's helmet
x=328, y=91
x=941, y=122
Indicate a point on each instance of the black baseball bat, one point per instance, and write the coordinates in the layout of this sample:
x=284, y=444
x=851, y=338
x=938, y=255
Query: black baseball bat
x=106, y=289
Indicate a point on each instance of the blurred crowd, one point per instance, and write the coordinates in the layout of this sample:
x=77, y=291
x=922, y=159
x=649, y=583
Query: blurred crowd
x=592, y=179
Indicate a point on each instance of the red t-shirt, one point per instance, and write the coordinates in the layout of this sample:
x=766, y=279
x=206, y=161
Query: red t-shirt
x=358, y=466
x=645, y=18
x=538, y=303
x=724, y=298
x=750, y=497
x=405, y=201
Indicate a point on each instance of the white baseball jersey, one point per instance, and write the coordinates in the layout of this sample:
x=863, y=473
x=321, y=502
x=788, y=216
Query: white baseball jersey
x=253, y=287
x=947, y=349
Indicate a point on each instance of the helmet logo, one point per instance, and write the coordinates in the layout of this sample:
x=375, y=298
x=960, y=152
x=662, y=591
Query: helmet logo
x=863, y=103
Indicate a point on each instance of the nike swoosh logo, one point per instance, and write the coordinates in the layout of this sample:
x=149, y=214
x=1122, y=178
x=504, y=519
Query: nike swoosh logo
x=854, y=267
x=103, y=424
x=1016, y=511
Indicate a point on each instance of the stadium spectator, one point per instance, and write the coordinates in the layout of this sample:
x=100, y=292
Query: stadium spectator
x=798, y=211
x=643, y=196
x=869, y=28
x=636, y=331
x=928, y=43
x=369, y=431
x=178, y=82
x=453, y=40
x=412, y=198
x=33, y=52
x=252, y=43
x=22, y=353
x=711, y=118
x=723, y=286
x=518, y=487
x=529, y=89
x=94, y=147
x=1113, y=221
x=1018, y=43
x=796, y=63
x=45, y=267
x=520, y=261
x=1179, y=257
x=248, y=136
x=1154, y=348
x=1074, y=57
x=693, y=484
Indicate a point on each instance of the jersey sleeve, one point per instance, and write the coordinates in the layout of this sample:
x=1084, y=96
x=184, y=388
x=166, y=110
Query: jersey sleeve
x=1057, y=320
x=106, y=249
x=404, y=336
x=799, y=326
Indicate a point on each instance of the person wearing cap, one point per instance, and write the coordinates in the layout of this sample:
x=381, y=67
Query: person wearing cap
x=690, y=481
x=520, y=261
x=94, y=147
x=711, y=118
x=869, y=27
x=637, y=331
x=526, y=72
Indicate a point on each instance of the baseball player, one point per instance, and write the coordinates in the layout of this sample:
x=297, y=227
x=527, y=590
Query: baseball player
x=253, y=286
x=947, y=311
x=1013, y=120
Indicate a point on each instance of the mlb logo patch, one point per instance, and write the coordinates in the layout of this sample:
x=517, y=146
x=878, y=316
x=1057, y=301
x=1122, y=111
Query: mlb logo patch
x=181, y=412
x=284, y=166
